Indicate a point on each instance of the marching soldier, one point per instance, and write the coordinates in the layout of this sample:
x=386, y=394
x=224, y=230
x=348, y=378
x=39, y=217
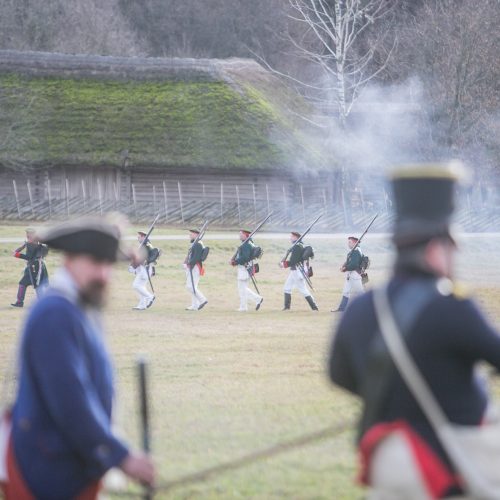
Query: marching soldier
x=421, y=319
x=143, y=274
x=243, y=260
x=35, y=272
x=193, y=265
x=353, y=284
x=298, y=273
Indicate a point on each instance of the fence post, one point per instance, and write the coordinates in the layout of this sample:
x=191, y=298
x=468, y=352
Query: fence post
x=254, y=204
x=17, y=198
x=238, y=201
x=28, y=185
x=222, y=202
x=66, y=183
x=303, y=205
x=134, y=200
x=324, y=201
x=115, y=191
x=84, y=196
x=180, y=200
x=284, y=203
x=165, y=200
x=99, y=192
x=344, y=207
x=49, y=197
x=267, y=196
x=154, y=199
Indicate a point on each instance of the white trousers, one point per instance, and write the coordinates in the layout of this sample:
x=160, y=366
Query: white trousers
x=352, y=285
x=296, y=280
x=197, y=298
x=139, y=285
x=394, y=473
x=243, y=289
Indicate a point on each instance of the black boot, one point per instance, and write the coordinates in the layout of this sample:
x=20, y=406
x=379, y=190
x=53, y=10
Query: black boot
x=342, y=305
x=21, y=292
x=288, y=301
x=310, y=301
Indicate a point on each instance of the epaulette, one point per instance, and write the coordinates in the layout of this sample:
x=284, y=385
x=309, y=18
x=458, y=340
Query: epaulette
x=446, y=287
x=460, y=291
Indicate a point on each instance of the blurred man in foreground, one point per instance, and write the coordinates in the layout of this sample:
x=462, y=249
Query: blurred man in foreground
x=444, y=333
x=61, y=441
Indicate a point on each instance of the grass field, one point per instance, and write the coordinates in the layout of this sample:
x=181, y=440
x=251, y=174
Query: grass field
x=225, y=384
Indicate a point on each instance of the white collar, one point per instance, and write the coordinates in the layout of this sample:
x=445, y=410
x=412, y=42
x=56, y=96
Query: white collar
x=64, y=283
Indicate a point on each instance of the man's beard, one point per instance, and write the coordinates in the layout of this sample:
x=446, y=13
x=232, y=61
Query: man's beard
x=94, y=294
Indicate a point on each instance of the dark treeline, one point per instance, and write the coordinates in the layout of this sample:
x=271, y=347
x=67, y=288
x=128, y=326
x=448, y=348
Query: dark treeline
x=450, y=47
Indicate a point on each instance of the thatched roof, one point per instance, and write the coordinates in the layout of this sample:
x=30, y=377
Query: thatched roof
x=91, y=110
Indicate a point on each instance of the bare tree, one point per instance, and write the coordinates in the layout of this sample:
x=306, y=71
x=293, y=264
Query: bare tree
x=336, y=39
x=452, y=47
x=73, y=26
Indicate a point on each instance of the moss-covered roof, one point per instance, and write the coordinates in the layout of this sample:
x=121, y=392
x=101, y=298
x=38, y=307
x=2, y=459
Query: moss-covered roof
x=80, y=110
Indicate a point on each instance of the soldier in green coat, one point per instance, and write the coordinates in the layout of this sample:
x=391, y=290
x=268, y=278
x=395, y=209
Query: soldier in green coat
x=353, y=284
x=193, y=264
x=296, y=278
x=35, y=272
x=243, y=260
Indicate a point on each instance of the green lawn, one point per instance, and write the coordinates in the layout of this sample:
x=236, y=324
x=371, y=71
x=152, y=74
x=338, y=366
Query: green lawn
x=225, y=384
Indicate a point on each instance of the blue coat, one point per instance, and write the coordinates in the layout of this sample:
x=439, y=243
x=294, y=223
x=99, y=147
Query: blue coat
x=61, y=429
x=447, y=339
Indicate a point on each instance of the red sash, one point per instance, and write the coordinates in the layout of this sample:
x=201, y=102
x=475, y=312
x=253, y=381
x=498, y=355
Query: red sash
x=201, y=268
x=436, y=474
x=17, y=489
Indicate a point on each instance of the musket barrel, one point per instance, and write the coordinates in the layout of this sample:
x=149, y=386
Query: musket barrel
x=144, y=412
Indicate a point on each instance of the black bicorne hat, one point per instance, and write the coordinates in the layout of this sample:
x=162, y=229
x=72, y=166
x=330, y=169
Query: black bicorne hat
x=196, y=231
x=296, y=233
x=424, y=202
x=89, y=236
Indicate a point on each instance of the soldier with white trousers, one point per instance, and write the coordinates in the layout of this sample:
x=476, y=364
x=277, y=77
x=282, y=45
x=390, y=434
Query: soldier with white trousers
x=194, y=269
x=296, y=277
x=146, y=298
x=244, y=262
x=353, y=284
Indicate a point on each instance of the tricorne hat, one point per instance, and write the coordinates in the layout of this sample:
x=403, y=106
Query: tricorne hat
x=295, y=233
x=92, y=236
x=244, y=230
x=424, y=202
x=194, y=230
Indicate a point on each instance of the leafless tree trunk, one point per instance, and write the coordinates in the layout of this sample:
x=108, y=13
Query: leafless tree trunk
x=339, y=38
x=335, y=40
x=452, y=47
x=72, y=26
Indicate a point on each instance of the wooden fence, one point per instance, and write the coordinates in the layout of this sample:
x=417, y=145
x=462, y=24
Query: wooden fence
x=231, y=206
